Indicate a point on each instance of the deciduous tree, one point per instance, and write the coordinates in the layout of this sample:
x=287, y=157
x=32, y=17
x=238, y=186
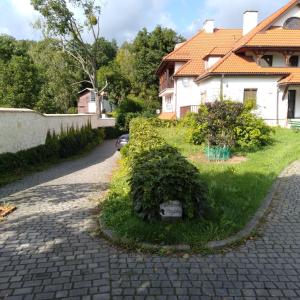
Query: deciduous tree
x=60, y=22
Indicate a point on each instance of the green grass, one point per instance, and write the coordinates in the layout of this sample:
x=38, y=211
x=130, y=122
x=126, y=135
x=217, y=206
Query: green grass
x=235, y=193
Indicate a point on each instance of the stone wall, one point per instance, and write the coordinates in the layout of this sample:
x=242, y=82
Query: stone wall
x=22, y=129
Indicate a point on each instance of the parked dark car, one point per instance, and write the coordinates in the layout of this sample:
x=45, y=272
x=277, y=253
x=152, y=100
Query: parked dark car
x=122, y=141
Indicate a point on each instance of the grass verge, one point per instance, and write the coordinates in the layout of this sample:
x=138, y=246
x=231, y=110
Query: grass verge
x=235, y=193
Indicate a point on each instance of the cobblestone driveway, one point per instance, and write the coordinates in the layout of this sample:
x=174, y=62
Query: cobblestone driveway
x=47, y=253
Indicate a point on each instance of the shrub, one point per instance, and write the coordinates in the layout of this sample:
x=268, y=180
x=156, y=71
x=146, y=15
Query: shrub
x=143, y=138
x=229, y=124
x=195, y=132
x=129, y=105
x=163, y=175
x=67, y=144
x=112, y=133
x=159, y=173
x=72, y=110
x=251, y=132
x=156, y=122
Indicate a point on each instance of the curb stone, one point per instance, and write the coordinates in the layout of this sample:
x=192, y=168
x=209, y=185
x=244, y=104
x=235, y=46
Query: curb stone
x=109, y=234
x=212, y=245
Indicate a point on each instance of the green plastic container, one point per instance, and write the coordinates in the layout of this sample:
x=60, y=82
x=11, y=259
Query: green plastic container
x=217, y=153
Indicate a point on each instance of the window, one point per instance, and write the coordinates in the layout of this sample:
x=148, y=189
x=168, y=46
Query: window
x=267, y=61
x=203, y=97
x=292, y=23
x=92, y=96
x=250, y=97
x=294, y=61
x=169, y=107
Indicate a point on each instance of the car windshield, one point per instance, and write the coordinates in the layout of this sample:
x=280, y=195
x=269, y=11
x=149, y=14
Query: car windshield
x=124, y=137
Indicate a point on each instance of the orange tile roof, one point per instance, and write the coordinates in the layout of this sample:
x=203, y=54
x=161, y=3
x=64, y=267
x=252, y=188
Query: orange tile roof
x=237, y=64
x=167, y=116
x=200, y=46
x=226, y=43
x=294, y=78
x=276, y=37
x=243, y=63
x=266, y=23
x=219, y=51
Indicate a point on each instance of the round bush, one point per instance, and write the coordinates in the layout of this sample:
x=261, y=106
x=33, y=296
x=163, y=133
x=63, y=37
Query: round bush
x=163, y=175
x=159, y=173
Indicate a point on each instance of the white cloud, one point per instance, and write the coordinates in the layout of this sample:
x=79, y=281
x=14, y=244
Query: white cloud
x=16, y=18
x=23, y=7
x=122, y=19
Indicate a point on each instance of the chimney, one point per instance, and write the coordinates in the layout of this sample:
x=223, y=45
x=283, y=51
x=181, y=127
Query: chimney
x=178, y=46
x=209, y=26
x=250, y=21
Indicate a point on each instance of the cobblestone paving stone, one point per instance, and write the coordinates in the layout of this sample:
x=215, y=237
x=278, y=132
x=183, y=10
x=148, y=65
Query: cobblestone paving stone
x=46, y=251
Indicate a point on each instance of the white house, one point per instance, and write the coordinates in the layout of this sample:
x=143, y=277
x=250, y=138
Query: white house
x=259, y=62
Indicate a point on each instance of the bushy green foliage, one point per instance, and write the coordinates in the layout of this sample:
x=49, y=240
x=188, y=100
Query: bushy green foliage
x=229, y=124
x=251, y=132
x=72, y=110
x=73, y=140
x=118, y=85
x=195, y=131
x=56, y=74
x=149, y=49
x=19, y=86
x=130, y=105
x=159, y=173
x=158, y=123
x=67, y=144
x=112, y=133
x=143, y=137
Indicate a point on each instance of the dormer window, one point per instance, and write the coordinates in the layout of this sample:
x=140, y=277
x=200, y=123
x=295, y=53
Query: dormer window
x=294, y=61
x=267, y=61
x=292, y=23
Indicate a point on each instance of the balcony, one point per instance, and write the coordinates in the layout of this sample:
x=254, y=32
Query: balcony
x=166, y=82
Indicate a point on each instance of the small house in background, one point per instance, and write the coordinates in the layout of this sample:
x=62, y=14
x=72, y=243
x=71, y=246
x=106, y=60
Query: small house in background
x=87, y=103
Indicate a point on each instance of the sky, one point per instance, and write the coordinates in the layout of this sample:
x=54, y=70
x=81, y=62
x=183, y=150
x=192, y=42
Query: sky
x=122, y=19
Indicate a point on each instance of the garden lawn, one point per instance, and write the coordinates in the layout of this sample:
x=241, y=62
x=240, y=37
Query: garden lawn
x=235, y=193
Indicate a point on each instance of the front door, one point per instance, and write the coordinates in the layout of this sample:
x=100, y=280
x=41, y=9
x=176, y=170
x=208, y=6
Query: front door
x=291, y=104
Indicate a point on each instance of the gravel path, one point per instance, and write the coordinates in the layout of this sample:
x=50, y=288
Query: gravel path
x=46, y=251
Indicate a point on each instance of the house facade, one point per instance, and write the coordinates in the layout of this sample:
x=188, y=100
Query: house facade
x=258, y=63
x=87, y=103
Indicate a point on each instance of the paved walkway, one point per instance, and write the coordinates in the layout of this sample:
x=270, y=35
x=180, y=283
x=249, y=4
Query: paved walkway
x=46, y=251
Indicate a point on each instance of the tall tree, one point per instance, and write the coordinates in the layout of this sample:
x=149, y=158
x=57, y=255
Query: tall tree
x=107, y=52
x=60, y=22
x=118, y=85
x=19, y=86
x=7, y=47
x=149, y=48
x=125, y=61
x=57, y=75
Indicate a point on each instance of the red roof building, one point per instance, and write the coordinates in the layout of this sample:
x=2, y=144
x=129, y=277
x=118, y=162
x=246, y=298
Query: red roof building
x=258, y=61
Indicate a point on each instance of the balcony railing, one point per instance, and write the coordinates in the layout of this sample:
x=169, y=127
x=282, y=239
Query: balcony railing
x=166, y=84
x=187, y=109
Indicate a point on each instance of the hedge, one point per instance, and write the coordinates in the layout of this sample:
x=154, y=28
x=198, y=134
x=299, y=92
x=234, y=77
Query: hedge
x=69, y=143
x=159, y=173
